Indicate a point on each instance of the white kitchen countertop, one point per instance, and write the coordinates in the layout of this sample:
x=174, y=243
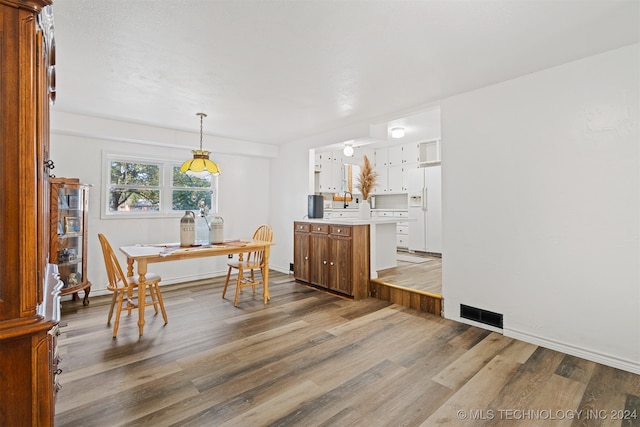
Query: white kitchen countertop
x=357, y=221
x=372, y=210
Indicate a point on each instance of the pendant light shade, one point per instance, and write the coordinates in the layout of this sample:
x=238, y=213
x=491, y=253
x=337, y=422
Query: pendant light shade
x=200, y=166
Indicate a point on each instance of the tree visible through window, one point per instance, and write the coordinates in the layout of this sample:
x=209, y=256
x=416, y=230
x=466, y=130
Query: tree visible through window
x=187, y=191
x=134, y=187
x=146, y=186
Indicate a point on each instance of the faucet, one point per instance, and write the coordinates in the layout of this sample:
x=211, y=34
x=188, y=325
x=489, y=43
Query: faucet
x=345, y=198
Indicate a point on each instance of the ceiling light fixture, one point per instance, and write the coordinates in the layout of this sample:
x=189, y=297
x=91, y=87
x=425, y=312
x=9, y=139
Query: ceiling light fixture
x=397, y=132
x=347, y=150
x=200, y=166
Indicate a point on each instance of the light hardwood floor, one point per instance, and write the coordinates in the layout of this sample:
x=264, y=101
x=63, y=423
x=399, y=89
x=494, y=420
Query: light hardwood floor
x=313, y=359
x=426, y=276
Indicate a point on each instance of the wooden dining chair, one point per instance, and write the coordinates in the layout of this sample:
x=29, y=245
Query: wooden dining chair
x=125, y=289
x=250, y=261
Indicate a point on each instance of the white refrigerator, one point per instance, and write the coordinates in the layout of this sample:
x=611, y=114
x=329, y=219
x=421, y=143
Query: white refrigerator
x=425, y=207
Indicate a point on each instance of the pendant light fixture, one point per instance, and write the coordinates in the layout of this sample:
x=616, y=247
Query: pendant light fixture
x=200, y=166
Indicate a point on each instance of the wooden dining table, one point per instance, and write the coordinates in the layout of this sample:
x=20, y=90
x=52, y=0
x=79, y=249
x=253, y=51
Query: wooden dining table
x=145, y=254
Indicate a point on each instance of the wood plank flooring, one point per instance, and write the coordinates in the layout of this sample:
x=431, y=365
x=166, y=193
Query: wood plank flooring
x=309, y=358
x=426, y=277
x=413, y=285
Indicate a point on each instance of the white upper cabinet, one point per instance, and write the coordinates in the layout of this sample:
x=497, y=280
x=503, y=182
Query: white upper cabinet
x=410, y=153
x=360, y=152
x=391, y=163
x=382, y=157
x=398, y=155
x=394, y=155
x=394, y=179
x=331, y=172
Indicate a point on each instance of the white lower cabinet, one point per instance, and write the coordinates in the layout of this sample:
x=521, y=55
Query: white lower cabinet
x=402, y=235
x=402, y=228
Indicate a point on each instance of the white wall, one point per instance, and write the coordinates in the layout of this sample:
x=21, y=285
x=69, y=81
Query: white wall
x=77, y=146
x=541, y=206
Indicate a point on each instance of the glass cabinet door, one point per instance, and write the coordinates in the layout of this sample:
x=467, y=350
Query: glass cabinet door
x=70, y=235
x=69, y=208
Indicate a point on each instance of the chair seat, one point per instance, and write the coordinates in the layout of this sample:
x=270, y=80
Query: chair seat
x=149, y=278
x=246, y=265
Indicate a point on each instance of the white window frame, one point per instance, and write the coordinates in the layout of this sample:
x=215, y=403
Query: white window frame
x=165, y=186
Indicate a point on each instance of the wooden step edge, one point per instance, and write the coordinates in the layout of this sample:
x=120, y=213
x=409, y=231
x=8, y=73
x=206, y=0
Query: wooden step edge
x=415, y=291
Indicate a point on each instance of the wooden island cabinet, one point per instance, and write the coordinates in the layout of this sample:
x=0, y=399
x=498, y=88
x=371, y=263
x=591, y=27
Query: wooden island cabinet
x=334, y=257
x=28, y=313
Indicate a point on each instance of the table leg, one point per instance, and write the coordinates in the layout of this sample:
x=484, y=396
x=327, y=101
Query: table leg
x=129, y=267
x=142, y=293
x=265, y=274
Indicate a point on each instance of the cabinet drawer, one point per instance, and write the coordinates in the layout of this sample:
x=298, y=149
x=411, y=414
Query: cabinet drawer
x=402, y=229
x=320, y=228
x=401, y=214
x=385, y=213
x=345, y=214
x=340, y=230
x=302, y=226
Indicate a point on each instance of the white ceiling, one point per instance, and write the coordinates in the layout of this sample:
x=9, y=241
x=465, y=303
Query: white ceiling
x=274, y=71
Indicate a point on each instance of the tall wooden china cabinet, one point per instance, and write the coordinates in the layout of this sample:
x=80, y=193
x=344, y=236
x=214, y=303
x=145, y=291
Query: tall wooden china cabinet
x=28, y=362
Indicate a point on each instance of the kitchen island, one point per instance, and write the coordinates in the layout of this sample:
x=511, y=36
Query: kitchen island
x=343, y=254
x=382, y=239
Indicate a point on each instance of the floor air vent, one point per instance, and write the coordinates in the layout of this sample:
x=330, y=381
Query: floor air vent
x=480, y=315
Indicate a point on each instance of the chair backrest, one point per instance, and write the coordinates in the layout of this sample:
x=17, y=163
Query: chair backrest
x=117, y=279
x=265, y=233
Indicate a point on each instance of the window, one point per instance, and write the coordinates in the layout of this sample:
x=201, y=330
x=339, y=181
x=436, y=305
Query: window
x=151, y=187
x=187, y=191
x=134, y=186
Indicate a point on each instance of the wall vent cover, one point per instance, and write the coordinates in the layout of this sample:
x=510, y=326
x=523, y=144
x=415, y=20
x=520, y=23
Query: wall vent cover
x=481, y=316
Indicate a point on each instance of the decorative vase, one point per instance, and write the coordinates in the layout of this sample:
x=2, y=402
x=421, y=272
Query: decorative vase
x=203, y=224
x=188, y=229
x=217, y=230
x=364, y=210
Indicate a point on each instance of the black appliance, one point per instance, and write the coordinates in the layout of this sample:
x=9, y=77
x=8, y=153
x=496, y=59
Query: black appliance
x=316, y=206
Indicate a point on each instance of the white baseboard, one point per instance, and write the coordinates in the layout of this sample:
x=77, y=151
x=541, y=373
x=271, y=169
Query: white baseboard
x=190, y=278
x=476, y=324
x=594, y=356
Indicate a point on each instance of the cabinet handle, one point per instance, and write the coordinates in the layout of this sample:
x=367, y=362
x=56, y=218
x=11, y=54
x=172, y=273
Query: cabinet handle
x=324, y=262
x=339, y=231
x=318, y=228
x=50, y=165
x=306, y=258
x=331, y=263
